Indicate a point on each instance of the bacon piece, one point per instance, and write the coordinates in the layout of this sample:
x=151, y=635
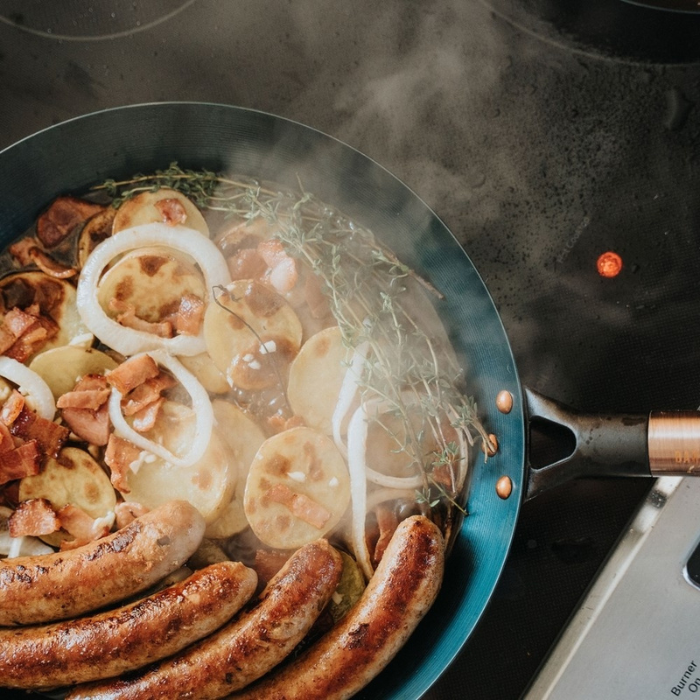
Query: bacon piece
x=49, y=435
x=85, y=410
x=387, y=522
x=172, y=211
x=7, y=442
x=12, y=408
x=119, y=456
x=300, y=505
x=84, y=398
x=188, y=317
x=19, y=462
x=64, y=214
x=147, y=393
x=126, y=315
x=126, y=513
x=33, y=518
x=30, y=329
x=51, y=267
x=19, y=322
x=247, y=264
x=268, y=563
x=78, y=523
x=7, y=340
x=283, y=274
x=136, y=370
x=146, y=418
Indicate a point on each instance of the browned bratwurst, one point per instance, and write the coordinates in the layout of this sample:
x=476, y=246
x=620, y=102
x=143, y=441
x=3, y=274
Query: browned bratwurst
x=342, y=662
x=66, y=584
x=111, y=643
x=249, y=646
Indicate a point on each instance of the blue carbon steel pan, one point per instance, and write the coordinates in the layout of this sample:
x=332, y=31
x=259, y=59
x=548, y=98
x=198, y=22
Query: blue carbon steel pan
x=73, y=155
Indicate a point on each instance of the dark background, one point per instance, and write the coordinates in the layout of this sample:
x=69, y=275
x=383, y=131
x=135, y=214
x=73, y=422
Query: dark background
x=543, y=133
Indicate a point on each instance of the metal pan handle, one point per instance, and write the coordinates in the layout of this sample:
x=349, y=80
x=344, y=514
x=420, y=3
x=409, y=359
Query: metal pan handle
x=658, y=444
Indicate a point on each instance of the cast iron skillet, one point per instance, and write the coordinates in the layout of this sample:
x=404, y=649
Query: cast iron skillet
x=71, y=156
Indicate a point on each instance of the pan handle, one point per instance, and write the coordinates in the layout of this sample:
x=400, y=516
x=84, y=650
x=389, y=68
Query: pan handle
x=658, y=444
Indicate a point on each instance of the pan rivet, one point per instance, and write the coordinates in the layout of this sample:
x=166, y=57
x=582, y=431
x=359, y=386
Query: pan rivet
x=504, y=401
x=492, y=447
x=504, y=487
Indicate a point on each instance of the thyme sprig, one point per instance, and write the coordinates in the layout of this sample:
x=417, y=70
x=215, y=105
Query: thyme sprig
x=406, y=374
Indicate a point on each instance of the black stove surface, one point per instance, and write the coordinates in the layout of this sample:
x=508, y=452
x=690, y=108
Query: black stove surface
x=543, y=133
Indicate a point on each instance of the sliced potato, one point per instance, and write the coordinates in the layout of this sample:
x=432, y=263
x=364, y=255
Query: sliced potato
x=243, y=437
x=56, y=300
x=153, y=280
x=142, y=209
x=316, y=376
x=61, y=367
x=254, y=337
x=96, y=229
x=209, y=375
x=297, y=490
x=73, y=477
x=208, y=484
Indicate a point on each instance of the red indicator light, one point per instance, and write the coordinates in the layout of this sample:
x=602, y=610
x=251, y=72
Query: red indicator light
x=609, y=264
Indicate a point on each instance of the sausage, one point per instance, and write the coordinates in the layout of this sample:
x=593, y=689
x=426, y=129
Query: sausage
x=66, y=584
x=113, y=642
x=246, y=648
x=342, y=662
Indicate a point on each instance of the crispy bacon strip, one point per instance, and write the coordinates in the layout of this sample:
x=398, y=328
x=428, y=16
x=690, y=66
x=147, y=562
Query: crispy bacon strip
x=49, y=435
x=12, y=408
x=19, y=462
x=64, y=214
x=18, y=322
x=147, y=393
x=85, y=410
x=188, y=318
x=300, y=505
x=247, y=264
x=28, y=330
x=85, y=398
x=136, y=370
x=126, y=315
x=126, y=513
x=145, y=419
x=172, y=211
x=283, y=273
x=7, y=442
x=33, y=518
x=119, y=456
x=78, y=523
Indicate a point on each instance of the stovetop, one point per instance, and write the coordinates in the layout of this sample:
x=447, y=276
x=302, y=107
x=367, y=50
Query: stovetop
x=543, y=133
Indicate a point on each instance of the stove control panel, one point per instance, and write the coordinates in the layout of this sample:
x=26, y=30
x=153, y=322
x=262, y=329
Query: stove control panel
x=637, y=633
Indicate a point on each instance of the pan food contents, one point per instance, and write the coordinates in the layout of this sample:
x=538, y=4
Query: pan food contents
x=197, y=368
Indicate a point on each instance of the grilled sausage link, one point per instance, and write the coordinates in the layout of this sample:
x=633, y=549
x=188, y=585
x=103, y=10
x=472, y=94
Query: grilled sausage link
x=67, y=584
x=246, y=648
x=113, y=642
x=348, y=657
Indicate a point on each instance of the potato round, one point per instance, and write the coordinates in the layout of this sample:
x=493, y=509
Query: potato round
x=56, y=299
x=96, y=229
x=208, y=484
x=316, y=376
x=243, y=437
x=142, y=209
x=254, y=337
x=153, y=280
x=61, y=367
x=296, y=473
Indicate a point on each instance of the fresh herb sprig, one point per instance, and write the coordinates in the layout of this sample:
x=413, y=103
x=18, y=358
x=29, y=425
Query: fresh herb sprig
x=406, y=374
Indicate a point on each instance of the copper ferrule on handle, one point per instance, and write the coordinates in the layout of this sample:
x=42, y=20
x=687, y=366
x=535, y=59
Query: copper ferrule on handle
x=674, y=443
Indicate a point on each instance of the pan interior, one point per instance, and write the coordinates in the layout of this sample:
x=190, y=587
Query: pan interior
x=71, y=156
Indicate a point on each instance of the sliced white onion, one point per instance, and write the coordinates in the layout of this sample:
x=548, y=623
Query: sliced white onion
x=39, y=396
x=348, y=391
x=129, y=341
x=22, y=546
x=357, y=468
x=201, y=405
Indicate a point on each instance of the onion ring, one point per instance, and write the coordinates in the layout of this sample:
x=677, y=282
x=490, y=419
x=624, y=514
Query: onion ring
x=129, y=341
x=201, y=405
